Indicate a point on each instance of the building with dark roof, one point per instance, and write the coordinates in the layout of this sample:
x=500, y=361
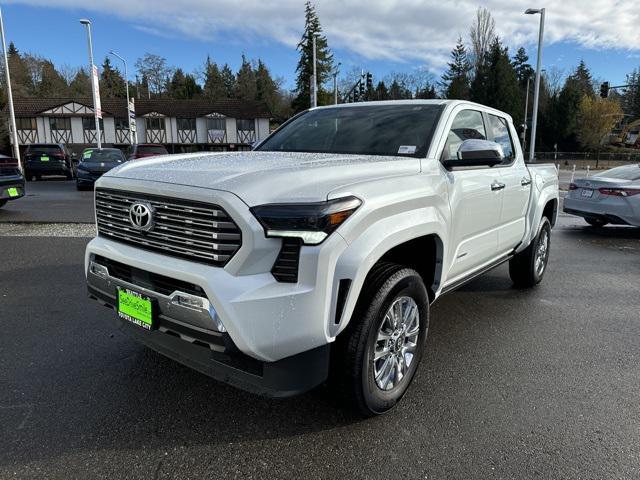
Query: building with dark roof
x=180, y=125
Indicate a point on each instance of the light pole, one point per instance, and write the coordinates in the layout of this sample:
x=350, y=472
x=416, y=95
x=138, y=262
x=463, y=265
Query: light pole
x=335, y=83
x=12, y=115
x=526, y=112
x=94, y=86
x=314, y=97
x=536, y=94
x=126, y=82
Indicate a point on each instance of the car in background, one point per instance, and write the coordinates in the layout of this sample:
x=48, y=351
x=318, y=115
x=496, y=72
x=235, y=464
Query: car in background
x=94, y=163
x=11, y=180
x=47, y=159
x=144, y=150
x=612, y=196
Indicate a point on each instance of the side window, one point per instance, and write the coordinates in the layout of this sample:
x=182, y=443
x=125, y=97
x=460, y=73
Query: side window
x=468, y=124
x=502, y=135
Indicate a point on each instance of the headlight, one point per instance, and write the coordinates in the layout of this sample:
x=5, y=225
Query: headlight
x=311, y=222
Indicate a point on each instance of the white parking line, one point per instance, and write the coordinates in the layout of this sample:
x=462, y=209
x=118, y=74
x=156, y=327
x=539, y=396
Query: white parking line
x=47, y=230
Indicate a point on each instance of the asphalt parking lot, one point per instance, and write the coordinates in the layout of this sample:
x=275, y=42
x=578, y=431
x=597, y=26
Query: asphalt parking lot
x=515, y=384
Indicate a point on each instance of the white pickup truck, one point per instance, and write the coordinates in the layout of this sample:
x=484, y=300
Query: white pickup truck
x=321, y=250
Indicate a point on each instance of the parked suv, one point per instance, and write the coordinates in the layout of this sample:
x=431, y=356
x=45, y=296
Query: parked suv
x=324, y=247
x=11, y=180
x=143, y=150
x=47, y=159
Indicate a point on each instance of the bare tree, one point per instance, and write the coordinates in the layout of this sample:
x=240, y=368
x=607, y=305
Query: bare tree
x=554, y=79
x=155, y=69
x=481, y=34
x=68, y=72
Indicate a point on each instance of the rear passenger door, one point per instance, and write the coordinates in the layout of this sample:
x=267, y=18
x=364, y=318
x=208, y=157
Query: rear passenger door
x=475, y=206
x=515, y=177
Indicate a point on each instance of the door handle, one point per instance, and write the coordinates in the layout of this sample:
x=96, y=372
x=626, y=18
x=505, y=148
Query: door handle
x=525, y=181
x=497, y=186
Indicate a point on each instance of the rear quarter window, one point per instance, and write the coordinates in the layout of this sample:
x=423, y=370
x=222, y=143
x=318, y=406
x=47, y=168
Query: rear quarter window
x=502, y=135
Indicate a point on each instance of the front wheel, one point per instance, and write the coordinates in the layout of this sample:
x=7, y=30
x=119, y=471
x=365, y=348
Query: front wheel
x=527, y=268
x=385, y=340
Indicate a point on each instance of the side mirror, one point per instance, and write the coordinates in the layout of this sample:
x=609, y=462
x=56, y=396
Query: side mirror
x=477, y=153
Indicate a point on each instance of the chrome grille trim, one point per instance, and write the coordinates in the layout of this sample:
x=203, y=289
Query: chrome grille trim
x=183, y=228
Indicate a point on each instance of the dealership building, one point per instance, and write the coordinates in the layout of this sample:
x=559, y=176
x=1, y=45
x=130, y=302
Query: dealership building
x=180, y=125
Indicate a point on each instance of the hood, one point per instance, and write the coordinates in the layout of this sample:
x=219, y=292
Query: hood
x=267, y=177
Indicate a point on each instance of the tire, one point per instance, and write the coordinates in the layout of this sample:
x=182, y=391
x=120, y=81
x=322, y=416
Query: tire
x=596, y=222
x=528, y=267
x=387, y=285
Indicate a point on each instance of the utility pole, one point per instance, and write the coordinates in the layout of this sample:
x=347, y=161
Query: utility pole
x=126, y=82
x=12, y=115
x=526, y=112
x=536, y=94
x=94, y=83
x=335, y=83
x=314, y=103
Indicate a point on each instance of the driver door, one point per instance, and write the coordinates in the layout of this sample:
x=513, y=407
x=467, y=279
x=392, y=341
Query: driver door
x=475, y=198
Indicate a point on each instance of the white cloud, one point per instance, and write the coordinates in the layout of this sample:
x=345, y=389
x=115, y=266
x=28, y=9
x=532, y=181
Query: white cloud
x=398, y=30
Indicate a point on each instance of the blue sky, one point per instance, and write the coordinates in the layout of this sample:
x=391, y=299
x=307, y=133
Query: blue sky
x=186, y=36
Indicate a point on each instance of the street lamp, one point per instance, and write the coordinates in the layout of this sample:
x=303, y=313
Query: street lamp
x=126, y=82
x=335, y=83
x=12, y=115
x=314, y=97
x=94, y=86
x=536, y=95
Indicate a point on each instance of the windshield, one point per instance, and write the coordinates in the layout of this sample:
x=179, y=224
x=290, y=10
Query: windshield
x=368, y=130
x=627, y=172
x=114, y=156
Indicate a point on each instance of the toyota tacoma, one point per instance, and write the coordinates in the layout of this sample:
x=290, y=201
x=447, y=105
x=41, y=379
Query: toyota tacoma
x=317, y=255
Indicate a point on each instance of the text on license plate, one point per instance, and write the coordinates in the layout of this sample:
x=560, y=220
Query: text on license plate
x=135, y=308
x=587, y=193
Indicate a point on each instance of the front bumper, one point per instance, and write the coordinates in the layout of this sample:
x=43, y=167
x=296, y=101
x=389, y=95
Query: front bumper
x=215, y=355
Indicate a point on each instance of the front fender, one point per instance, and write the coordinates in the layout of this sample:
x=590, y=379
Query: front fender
x=370, y=245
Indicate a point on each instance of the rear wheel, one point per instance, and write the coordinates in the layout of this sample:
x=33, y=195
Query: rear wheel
x=595, y=222
x=527, y=268
x=381, y=348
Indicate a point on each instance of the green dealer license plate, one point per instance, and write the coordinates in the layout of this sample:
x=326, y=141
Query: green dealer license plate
x=44, y=159
x=135, y=308
x=13, y=192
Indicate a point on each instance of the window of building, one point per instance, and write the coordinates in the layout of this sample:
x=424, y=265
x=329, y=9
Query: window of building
x=60, y=123
x=121, y=123
x=216, y=124
x=501, y=135
x=89, y=123
x=26, y=123
x=468, y=124
x=186, y=123
x=246, y=125
x=155, y=123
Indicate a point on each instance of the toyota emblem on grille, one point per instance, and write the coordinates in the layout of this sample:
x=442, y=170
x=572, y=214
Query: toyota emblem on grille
x=141, y=216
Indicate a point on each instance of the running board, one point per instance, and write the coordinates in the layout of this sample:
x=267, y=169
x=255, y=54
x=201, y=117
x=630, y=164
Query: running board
x=462, y=281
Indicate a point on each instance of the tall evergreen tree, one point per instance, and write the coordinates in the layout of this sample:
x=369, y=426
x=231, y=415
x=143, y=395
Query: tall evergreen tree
x=522, y=67
x=21, y=81
x=245, y=88
x=111, y=81
x=266, y=86
x=304, y=70
x=496, y=84
x=631, y=97
x=52, y=84
x=80, y=86
x=183, y=87
x=214, y=86
x=577, y=85
x=456, y=79
x=381, y=91
x=229, y=81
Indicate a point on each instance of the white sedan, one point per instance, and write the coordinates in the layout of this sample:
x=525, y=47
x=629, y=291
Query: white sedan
x=612, y=196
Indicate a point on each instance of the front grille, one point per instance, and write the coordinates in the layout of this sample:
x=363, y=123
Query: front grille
x=149, y=280
x=182, y=228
